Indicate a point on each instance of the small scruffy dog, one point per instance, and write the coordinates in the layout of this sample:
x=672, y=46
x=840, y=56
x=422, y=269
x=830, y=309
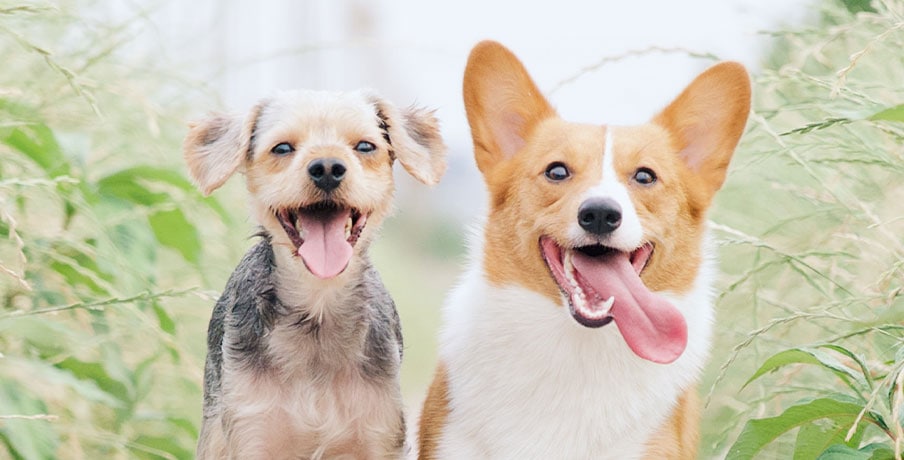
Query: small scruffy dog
x=304, y=345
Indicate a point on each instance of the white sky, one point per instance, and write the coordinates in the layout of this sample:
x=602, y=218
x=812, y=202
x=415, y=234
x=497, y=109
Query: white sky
x=412, y=50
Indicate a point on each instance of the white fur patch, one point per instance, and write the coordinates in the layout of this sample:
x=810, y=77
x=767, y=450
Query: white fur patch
x=527, y=381
x=629, y=234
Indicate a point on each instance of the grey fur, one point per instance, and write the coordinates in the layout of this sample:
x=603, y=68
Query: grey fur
x=366, y=331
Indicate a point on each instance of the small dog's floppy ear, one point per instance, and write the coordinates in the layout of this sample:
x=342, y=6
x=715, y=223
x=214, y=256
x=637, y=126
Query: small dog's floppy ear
x=502, y=102
x=216, y=147
x=706, y=121
x=414, y=137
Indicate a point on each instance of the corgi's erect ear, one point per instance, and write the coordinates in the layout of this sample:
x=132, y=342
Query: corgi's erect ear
x=502, y=102
x=707, y=119
x=216, y=147
x=413, y=134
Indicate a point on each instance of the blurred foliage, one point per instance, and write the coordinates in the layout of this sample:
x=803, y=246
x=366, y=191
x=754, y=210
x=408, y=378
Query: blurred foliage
x=105, y=242
x=811, y=224
x=102, y=240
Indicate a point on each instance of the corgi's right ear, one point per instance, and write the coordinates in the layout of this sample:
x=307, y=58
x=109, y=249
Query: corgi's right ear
x=502, y=102
x=216, y=147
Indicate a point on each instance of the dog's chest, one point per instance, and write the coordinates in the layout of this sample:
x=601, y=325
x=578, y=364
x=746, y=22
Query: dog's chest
x=314, y=416
x=526, y=383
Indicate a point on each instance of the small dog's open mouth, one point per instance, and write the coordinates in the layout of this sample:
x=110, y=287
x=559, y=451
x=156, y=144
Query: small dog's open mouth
x=603, y=284
x=324, y=235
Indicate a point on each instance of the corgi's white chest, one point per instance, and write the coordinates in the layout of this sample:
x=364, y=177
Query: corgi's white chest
x=527, y=381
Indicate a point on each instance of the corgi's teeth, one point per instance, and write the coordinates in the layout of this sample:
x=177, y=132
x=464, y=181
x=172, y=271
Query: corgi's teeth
x=579, y=295
x=298, y=227
x=607, y=305
x=569, y=268
x=348, y=228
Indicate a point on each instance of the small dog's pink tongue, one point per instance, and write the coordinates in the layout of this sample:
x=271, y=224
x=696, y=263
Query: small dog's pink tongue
x=652, y=327
x=325, y=250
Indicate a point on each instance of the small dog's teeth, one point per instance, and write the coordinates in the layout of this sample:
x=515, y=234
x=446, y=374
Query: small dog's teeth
x=348, y=228
x=298, y=227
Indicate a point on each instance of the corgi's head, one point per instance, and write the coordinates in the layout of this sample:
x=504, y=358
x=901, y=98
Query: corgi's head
x=601, y=219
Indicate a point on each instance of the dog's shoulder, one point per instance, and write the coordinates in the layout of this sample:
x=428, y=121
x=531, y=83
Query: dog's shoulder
x=384, y=334
x=239, y=309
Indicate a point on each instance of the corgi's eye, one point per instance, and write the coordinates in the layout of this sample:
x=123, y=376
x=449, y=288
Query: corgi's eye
x=644, y=176
x=283, y=148
x=557, y=172
x=365, y=147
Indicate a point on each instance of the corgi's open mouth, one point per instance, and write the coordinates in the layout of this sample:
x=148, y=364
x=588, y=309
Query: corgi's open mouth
x=603, y=284
x=324, y=235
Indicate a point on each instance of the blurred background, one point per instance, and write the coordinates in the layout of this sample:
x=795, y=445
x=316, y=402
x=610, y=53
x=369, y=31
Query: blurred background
x=110, y=261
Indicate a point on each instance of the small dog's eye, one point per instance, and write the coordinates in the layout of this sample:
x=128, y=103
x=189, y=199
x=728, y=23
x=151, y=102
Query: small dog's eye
x=365, y=147
x=283, y=148
x=557, y=171
x=644, y=176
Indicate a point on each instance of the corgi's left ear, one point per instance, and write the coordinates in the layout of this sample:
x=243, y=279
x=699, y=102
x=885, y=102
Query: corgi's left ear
x=415, y=140
x=707, y=119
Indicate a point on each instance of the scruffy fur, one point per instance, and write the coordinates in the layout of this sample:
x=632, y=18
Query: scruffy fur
x=518, y=376
x=302, y=366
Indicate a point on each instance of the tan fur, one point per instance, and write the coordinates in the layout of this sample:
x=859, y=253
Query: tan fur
x=678, y=438
x=433, y=415
x=311, y=400
x=516, y=134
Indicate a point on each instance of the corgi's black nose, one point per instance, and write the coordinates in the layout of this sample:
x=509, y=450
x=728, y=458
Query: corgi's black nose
x=599, y=216
x=327, y=173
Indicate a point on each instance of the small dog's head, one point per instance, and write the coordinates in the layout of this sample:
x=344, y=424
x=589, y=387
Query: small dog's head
x=318, y=166
x=603, y=217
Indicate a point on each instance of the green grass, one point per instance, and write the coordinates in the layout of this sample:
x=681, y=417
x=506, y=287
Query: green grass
x=810, y=229
x=110, y=260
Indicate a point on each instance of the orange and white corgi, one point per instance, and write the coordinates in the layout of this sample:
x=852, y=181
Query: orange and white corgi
x=582, y=327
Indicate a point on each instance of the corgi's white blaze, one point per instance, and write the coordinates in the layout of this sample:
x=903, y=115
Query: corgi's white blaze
x=629, y=234
x=526, y=381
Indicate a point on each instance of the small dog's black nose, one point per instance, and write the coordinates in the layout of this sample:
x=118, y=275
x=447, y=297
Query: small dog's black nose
x=600, y=216
x=326, y=173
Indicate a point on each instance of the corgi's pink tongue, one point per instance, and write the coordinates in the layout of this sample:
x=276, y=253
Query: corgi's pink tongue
x=325, y=250
x=652, y=327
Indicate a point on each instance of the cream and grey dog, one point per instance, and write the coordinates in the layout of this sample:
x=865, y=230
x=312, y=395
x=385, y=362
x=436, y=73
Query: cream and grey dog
x=304, y=345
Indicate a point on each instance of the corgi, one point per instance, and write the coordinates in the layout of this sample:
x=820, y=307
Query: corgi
x=582, y=326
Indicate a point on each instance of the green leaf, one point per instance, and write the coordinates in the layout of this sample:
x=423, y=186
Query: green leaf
x=126, y=184
x=895, y=113
x=150, y=447
x=154, y=174
x=125, y=188
x=79, y=268
x=843, y=452
x=873, y=451
x=28, y=439
x=164, y=319
x=758, y=433
x=814, y=438
x=37, y=142
x=185, y=425
x=95, y=372
x=806, y=355
x=173, y=230
x=84, y=388
x=856, y=6
x=878, y=451
x=864, y=369
x=46, y=336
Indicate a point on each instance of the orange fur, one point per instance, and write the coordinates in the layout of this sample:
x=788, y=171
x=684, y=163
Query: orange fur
x=678, y=438
x=433, y=415
x=516, y=134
